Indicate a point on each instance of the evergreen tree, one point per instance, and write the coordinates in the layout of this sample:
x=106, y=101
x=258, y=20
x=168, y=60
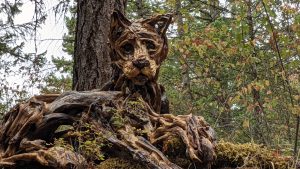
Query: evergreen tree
x=13, y=61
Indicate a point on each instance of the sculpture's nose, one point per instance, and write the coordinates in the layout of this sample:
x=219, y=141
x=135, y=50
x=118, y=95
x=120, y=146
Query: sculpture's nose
x=141, y=63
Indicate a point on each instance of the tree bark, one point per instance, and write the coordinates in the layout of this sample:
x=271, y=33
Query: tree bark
x=186, y=81
x=259, y=111
x=91, y=57
x=140, y=8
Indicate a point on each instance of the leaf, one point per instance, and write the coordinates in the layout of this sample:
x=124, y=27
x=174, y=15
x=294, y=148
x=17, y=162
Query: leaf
x=185, y=27
x=246, y=123
x=296, y=110
x=267, y=83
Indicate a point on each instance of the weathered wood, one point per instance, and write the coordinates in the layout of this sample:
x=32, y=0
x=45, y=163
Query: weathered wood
x=78, y=101
x=28, y=135
x=55, y=157
x=138, y=49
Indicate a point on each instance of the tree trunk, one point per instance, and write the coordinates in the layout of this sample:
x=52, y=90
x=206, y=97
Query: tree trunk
x=259, y=112
x=140, y=8
x=91, y=57
x=186, y=82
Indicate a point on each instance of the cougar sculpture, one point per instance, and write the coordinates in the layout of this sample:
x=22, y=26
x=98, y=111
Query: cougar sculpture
x=137, y=51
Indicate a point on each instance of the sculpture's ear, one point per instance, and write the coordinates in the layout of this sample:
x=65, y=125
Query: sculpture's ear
x=160, y=23
x=118, y=23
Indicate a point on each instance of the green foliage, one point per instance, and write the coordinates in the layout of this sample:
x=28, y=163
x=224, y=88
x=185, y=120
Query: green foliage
x=14, y=62
x=234, y=75
x=69, y=39
x=145, y=8
x=60, y=142
x=117, y=120
x=60, y=80
x=90, y=143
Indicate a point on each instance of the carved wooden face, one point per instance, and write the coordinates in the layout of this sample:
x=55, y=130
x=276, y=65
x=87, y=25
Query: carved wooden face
x=139, y=47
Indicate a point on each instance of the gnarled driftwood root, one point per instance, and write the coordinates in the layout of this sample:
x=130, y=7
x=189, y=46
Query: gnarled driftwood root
x=129, y=124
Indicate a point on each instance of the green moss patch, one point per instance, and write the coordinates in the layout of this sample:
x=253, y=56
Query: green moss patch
x=250, y=155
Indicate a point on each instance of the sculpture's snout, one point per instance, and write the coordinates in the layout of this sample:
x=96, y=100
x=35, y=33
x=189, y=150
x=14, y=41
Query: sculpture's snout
x=141, y=63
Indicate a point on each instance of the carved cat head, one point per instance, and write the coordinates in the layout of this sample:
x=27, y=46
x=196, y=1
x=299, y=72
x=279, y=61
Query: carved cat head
x=139, y=47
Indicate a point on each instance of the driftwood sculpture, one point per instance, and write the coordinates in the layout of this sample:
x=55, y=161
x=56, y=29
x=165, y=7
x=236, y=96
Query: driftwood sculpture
x=138, y=49
x=128, y=117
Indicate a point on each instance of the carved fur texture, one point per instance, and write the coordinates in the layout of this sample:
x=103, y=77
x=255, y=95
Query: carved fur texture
x=137, y=50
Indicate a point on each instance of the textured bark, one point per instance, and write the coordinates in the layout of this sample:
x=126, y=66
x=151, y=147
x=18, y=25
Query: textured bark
x=213, y=9
x=140, y=8
x=186, y=81
x=259, y=111
x=91, y=58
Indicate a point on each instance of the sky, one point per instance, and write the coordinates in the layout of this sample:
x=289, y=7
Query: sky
x=49, y=36
x=54, y=28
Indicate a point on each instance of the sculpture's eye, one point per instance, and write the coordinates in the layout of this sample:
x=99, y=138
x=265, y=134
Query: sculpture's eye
x=150, y=45
x=128, y=49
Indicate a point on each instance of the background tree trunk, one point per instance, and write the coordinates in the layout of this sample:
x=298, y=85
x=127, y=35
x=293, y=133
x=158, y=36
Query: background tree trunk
x=91, y=57
x=140, y=8
x=186, y=81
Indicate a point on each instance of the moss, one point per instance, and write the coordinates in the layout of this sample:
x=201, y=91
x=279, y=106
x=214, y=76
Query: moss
x=249, y=155
x=175, y=150
x=120, y=163
x=182, y=162
x=91, y=142
x=86, y=141
x=117, y=120
x=60, y=142
x=174, y=147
